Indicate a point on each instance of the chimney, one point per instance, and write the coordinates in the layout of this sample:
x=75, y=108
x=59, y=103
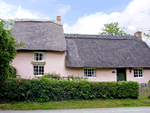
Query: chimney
x=59, y=18
x=138, y=34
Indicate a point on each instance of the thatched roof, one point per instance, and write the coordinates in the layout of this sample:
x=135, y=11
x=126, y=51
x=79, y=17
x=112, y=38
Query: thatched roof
x=103, y=51
x=40, y=34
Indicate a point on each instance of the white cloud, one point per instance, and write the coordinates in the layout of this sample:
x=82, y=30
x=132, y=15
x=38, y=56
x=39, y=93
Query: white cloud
x=136, y=16
x=62, y=9
x=34, y=1
x=9, y=11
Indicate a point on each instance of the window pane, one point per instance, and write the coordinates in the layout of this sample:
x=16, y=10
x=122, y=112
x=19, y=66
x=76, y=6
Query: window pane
x=36, y=56
x=89, y=72
x=138, y=73
x=135, y=73
x=38, y=70
x=42, y=69
x=41, y=56
x=35, y=70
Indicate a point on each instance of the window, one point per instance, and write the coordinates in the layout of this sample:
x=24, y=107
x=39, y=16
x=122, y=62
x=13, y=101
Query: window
x=89, y=73
x=38, y=69
x=138, y=73
x=38, y=56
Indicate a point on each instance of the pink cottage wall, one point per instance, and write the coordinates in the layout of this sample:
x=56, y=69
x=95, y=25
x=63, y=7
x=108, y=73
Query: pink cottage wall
x=144, y=79
x=55, y=62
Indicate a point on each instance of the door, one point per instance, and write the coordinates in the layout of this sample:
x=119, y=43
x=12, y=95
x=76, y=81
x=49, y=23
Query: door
x=121, y=74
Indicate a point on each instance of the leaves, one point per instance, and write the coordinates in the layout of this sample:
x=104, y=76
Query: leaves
x=44, y=89
x=8, y=47
x=113, y=29
x=147, y=35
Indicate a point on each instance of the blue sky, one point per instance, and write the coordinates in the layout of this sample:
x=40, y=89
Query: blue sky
x=77, y=8
x=83, y=16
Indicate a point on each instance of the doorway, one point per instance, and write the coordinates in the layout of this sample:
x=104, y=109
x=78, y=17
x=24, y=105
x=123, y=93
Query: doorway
x=121, y=74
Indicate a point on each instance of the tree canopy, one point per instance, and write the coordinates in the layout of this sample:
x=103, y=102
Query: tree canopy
x=8, y=46
x=113, y=29
x=147, y=35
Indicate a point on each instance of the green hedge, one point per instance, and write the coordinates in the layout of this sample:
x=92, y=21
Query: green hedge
x=42, y=90
x=12, y=71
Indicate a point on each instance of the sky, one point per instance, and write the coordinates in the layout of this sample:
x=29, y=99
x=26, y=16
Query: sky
x=83, y=16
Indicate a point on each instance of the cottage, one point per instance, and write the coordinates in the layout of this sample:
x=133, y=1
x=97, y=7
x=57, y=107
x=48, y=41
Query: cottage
x=95, y=57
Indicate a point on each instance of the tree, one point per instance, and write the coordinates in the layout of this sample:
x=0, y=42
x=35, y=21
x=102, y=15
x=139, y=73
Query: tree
x=8, y=46
x=147, y=35
x=113, y=29
x=147, y=38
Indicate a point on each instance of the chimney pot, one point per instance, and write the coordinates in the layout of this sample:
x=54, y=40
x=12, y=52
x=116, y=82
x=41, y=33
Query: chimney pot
x=59, y=18
x=138, y=34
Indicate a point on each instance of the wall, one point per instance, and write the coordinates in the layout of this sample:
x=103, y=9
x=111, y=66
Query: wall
x=22, y=63
x=144, y=79
x=55, y=62
x=101, y=74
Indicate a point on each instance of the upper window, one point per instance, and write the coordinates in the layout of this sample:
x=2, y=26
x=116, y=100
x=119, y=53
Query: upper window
x=38, y=56
x=38, y=69
x=89, y=73
x=138, y=73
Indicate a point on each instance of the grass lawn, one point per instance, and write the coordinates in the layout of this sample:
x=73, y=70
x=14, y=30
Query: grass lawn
x=75, y=104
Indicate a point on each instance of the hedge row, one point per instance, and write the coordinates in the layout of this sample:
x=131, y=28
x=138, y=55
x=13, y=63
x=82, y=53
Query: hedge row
x=42, y=90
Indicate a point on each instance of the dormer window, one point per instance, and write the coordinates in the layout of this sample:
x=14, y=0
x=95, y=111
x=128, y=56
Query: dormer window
x=38, y=56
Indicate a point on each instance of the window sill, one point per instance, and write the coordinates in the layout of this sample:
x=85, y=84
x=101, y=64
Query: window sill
x=38, y=76
x=138, y=77
x=38, y=62
x=89, y=77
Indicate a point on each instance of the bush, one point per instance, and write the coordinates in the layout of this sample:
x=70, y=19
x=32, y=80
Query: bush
x=12, y=72
x=44, y=89
x=54, y=76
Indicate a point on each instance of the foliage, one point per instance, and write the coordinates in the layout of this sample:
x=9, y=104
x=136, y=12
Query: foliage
x=147, y=35
x=54, y=76
x=8, y=46
x=44, y=89
x=12, y=72
x=75, y=78
x=113, y=29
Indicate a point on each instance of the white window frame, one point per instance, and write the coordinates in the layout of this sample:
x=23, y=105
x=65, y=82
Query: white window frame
x=138, y=72
x=94, y=76
x=39, y=60
x=38, y=70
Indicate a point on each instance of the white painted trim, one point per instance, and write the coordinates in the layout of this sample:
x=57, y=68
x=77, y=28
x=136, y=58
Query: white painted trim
x=138, y=73
x=89, y=77
x=38, y=70
x=39, y=60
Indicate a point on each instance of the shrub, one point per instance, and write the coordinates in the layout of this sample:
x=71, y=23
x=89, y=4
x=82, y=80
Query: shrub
x=44, y=89
x=52, y=76
x=75, y=78
x=12, y=72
